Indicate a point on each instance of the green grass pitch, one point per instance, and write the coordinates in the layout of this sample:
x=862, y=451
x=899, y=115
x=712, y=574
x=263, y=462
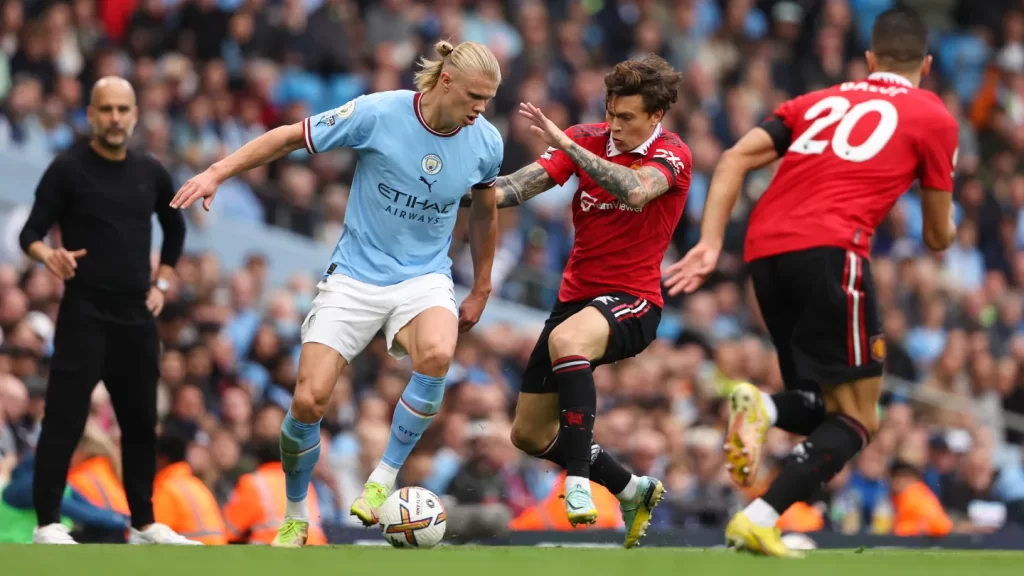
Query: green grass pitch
x=113, y=560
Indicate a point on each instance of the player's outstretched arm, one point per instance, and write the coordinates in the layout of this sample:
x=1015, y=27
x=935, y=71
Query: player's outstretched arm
x=257, y=152
x=518, y=187
x=755, y=150
x=634, y=187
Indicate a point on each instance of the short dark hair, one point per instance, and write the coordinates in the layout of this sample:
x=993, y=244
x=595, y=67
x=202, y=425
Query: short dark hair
x=651, y=77
x=899, y=39
x=172, y=447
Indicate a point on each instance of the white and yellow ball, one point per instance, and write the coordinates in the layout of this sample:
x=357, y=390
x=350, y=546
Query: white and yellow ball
x=413, y=517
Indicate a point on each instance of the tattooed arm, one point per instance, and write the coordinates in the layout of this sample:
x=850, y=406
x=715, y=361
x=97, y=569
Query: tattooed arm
x=516, y=188
x=634, y=187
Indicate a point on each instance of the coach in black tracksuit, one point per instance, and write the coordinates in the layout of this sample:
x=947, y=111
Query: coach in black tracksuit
x=103, y=196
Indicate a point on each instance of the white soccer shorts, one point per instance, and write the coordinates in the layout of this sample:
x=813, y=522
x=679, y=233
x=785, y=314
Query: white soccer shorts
x=347, y=314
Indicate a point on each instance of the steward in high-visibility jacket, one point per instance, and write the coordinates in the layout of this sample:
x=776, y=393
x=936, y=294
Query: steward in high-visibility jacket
x=255, y=509
x=180, y=500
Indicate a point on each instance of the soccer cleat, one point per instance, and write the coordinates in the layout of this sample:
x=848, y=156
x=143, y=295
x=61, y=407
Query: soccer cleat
x=743, y=534
x=291, y=534
x=369, y=502
x=579, y=506
x=637, y=512
x=159, y=534
x=52, y=534
x=748, y=427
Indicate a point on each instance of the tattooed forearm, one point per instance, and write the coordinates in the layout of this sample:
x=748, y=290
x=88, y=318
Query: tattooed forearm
x=634, y=187
x=522, y=185
x=518, y=187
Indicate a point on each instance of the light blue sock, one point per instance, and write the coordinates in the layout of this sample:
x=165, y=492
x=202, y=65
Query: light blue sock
x=417, y=407
x=300, y=451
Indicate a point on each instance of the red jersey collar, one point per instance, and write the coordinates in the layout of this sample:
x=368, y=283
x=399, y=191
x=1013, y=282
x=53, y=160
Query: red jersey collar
x=890, y=78
x=611, y=150
x=419, y=116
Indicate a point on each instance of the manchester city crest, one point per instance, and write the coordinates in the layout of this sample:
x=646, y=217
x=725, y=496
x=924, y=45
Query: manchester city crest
x=431, y=164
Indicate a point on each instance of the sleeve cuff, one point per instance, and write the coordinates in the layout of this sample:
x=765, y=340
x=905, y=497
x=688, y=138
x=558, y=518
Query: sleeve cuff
x=307, y=135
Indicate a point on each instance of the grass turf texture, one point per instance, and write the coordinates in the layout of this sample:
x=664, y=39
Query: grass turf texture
x=113, y=560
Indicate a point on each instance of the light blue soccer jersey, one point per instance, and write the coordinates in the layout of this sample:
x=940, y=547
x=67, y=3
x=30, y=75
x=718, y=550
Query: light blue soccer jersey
x=407, y=186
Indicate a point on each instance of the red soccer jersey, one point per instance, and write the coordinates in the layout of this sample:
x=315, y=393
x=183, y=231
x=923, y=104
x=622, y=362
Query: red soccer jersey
x=618, y=248
x=855, y=149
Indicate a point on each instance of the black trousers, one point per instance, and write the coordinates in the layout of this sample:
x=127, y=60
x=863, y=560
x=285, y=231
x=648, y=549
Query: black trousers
x=125, y=357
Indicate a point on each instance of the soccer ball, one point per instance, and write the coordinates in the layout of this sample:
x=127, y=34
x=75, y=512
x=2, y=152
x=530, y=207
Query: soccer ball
x=413, y=517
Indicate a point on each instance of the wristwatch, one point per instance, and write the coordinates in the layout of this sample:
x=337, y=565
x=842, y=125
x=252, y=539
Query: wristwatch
x=162, y=285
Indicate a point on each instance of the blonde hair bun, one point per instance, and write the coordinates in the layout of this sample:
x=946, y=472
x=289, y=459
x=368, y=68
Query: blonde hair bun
x=444, y=48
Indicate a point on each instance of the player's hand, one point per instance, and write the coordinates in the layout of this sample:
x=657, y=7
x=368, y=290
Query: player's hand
x=546, y=129
x=203, y=185
x=155, y=301
x=63, y=263
x=688, y=274
x=470, y=310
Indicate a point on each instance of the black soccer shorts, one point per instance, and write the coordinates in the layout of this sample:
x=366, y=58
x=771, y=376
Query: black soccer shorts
x=633, y=324
x=820, y=308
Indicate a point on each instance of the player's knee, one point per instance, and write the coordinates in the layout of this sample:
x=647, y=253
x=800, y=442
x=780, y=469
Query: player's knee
x=868, y=418
x=309, y=401
x=563, y=341
x=526, y=439
x=433, y=359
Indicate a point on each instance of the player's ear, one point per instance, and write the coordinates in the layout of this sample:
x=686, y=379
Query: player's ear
x=926, y=66
x=872, y=62
x=445, y=81
x=657, y=116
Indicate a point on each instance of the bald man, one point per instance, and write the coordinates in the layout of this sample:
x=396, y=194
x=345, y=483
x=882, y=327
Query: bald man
x=102, y=196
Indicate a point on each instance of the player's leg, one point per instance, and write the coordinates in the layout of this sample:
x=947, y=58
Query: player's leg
x=343, y=319
x=799, y=409
x=535, y=424
x=535, y=431
x=608, y=329
x=837, y=342
x=75, y=369
x=423, y=325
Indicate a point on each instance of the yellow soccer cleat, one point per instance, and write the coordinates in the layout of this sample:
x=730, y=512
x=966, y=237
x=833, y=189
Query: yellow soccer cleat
x=748, y=427
x=369, y=502
x=292, y=534
x=637, y=512
x=743, y=534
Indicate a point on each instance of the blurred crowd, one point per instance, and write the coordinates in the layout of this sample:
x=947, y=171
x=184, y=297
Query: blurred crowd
x=211, y=74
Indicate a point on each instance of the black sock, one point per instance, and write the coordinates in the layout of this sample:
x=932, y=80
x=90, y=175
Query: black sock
x=799, y=412
x=607, y=471
x=816, y=461
x=577, y=399
x=604, y=469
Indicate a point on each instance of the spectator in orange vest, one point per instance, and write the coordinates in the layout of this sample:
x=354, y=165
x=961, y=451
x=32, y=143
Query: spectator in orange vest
x=918, y=511
x=96, y=471
x=550, y=514
x=180, y=500
x=256, y=508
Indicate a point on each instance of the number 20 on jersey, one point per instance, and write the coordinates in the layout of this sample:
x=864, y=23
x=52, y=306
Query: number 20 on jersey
x=839, y=109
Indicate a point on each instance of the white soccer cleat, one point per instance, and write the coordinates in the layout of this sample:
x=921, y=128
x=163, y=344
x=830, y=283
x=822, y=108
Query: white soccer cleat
x=52, y=534
x=159, y=534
